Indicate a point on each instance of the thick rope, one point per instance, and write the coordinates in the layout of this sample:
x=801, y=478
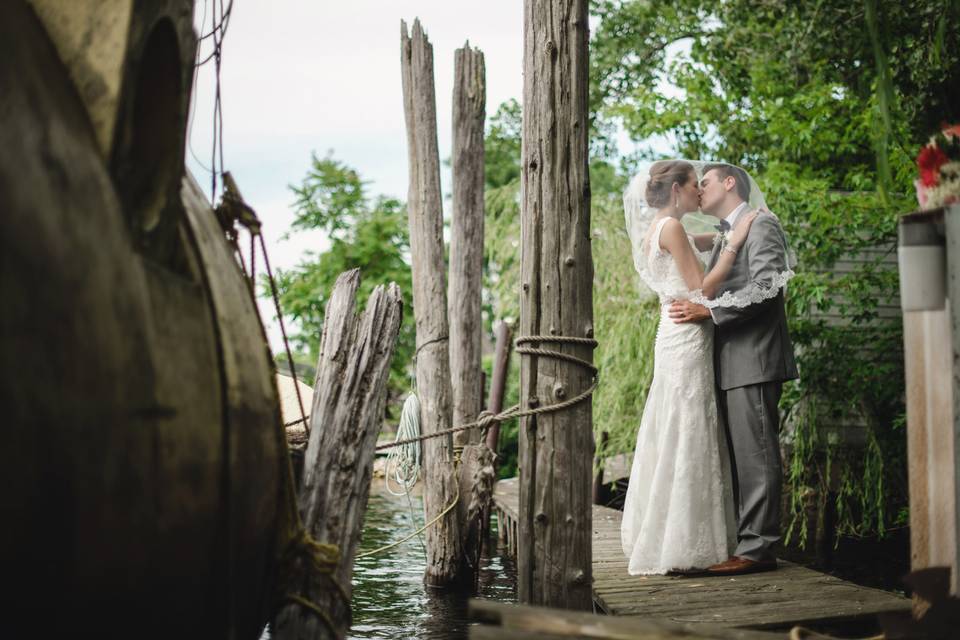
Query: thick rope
x=486, y=418
x=231, y=211
x=447, y=510
x=405, y=460
x=302, y=558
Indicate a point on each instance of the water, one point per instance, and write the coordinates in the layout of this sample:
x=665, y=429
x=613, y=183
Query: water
x=389, y=598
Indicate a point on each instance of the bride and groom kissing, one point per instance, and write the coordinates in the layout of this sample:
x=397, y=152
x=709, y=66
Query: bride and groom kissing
x=705, y=486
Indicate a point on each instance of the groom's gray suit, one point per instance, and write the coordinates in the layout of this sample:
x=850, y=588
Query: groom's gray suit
x=753, y=356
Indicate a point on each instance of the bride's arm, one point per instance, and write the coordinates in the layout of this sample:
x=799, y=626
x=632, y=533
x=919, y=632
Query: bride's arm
x=704, y=241
x=673, y=238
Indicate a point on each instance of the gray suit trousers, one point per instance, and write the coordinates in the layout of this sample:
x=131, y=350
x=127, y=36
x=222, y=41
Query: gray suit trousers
x=752, y=423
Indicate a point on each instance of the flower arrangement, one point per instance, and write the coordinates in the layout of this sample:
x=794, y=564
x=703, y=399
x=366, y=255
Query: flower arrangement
x=939, y=164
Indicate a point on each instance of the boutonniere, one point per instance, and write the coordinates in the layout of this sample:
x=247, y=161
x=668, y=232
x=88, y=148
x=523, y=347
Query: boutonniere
x=722, y=238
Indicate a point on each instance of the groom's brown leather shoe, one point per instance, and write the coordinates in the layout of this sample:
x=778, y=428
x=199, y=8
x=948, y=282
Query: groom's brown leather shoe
x=735, y=566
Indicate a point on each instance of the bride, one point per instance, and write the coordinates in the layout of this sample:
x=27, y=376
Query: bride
x=679, y=512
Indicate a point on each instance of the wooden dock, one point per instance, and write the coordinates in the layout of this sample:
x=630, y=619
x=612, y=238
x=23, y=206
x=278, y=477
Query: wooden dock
x=776, y=601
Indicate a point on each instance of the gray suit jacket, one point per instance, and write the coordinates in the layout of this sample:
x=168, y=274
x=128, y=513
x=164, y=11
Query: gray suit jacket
x=752, y=344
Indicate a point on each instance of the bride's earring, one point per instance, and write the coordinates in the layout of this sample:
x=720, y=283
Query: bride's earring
x=676, y=204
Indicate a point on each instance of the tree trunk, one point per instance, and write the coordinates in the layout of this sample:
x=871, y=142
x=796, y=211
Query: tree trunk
x=346, y=416
x=466, y=270
x=444, y=556
x=556, y=449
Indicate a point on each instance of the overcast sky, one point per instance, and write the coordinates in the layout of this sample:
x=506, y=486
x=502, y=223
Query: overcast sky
x=300, y=76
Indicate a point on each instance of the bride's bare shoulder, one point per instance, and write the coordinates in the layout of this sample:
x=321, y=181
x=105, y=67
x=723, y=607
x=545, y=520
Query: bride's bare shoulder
x=672, y=234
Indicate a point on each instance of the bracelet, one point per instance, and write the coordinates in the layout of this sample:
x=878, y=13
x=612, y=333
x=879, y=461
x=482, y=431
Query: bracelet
x=730, y=248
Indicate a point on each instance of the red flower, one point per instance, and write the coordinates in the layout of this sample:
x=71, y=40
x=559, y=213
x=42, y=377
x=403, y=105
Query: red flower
x=951, y=131
x=930, y=160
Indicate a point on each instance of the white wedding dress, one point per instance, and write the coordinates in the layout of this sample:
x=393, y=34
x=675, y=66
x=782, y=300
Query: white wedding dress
x=678, y=512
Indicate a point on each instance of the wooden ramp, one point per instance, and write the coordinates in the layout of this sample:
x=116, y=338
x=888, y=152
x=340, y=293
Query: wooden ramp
x=778, y=600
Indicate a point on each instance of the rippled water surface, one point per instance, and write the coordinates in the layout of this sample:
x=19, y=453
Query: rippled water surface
x=389, y=599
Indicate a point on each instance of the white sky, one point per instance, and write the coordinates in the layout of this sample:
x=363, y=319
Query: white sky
x=310, y=75
x=302, y=76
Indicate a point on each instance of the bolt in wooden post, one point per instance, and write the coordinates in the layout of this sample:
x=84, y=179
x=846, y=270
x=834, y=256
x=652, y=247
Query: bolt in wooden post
x=556, y=449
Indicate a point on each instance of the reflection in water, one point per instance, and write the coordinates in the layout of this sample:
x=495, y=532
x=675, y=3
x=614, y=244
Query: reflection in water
x=389, y=599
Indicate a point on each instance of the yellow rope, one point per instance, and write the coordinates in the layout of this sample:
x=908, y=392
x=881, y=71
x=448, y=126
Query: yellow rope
x=487, y=419
x=456, y=499
x=310, y=606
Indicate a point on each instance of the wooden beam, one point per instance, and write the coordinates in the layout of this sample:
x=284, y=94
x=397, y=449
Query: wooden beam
x=347, y=412
x=556, y=298
x=425, y=215
x=512, y=621
x=932, y=369
x=466, y=271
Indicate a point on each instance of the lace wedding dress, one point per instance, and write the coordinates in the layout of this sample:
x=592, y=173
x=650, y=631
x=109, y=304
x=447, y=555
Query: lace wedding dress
x=678, y=512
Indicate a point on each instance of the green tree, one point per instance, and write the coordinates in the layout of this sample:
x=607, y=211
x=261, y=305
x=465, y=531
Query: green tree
x=369, y=234
x=825, y=101
x=780, y=81
x=501, y=146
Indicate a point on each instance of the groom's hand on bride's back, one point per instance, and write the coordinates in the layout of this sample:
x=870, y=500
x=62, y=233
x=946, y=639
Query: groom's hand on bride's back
x=685, y=311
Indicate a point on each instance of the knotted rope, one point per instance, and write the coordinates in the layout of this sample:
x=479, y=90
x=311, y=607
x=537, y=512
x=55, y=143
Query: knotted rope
x=486, y=419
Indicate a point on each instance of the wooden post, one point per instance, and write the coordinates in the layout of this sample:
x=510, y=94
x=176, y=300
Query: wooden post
x=556, y=449
x=498, y=384
x=349, y=395
x=933, y=399
x=598, y=493
x=444, y=551
x=466, y=270
x=498, y=381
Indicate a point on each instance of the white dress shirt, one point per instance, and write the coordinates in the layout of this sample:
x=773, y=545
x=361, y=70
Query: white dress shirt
x=731, y=217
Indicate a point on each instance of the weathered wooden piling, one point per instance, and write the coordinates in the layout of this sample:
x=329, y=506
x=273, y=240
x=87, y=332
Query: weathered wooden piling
x=931, y=335
x=498, y=384
x=498, y=380
x=466, y=270
x=347, y=412
x=425, y=214
x=556, y=449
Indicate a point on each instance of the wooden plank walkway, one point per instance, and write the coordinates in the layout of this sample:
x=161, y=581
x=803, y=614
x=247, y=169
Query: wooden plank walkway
x=792, y=595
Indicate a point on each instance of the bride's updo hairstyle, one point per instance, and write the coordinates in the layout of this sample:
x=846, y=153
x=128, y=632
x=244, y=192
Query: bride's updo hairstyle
x=662, y=176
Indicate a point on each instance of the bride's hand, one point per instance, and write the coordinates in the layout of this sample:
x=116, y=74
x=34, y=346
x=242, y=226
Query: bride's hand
x=739, y=235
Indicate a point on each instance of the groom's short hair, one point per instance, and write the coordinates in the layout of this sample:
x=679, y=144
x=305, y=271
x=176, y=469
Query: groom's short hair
x=729, y=171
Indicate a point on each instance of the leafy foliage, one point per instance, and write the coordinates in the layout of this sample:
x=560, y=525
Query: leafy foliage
x=371, y=235
x=815, y=98
x=795, y=82
x=844, y=416
x=501, y=146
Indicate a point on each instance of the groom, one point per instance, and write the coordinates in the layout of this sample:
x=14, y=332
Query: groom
x=753, y=356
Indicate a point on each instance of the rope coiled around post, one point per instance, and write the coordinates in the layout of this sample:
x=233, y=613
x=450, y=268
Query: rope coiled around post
x=486, y=419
